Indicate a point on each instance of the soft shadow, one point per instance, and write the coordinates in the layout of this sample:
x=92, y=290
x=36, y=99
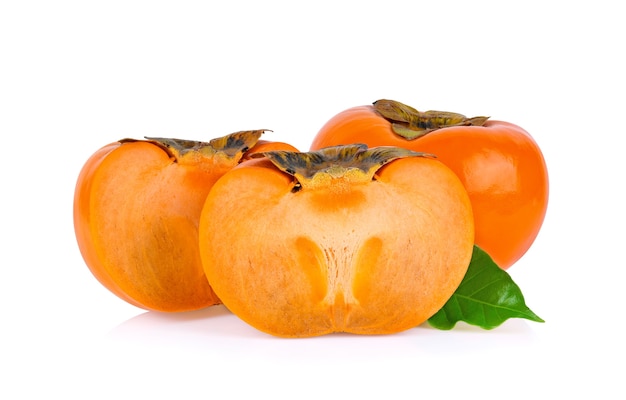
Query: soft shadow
x=218, y=331
x=470, y=339
x=514, y=326
x=209, y=322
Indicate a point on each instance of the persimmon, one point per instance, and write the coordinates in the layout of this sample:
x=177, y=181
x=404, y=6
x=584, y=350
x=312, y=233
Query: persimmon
x=499, y=163
x=136, y=209
x=345, y=239
x=266, y=145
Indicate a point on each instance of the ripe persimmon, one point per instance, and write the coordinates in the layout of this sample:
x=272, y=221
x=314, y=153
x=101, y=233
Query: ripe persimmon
x=499, y=163
x=136, y=209
x=266, y=145
x=345, y=239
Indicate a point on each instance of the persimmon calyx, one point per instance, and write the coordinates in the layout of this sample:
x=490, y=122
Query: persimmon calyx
x=230, y=147
x=334, y=165
x=411, y=124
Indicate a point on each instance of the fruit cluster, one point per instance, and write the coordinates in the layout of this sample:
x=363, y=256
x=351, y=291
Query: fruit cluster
x=373, y=230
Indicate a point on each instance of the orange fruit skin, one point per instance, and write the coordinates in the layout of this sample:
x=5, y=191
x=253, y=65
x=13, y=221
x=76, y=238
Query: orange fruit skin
x=500, y=165
x=135, y=217
x=82, y=223
x=136, y=214
x=267, y=145
x=371, y=258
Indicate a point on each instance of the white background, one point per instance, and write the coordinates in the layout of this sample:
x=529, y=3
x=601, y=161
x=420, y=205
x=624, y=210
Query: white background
x=75, y=75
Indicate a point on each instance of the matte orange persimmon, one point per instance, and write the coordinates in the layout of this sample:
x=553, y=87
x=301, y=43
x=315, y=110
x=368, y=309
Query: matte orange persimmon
x=348, y=239
x=499, y=163
x=136, y=209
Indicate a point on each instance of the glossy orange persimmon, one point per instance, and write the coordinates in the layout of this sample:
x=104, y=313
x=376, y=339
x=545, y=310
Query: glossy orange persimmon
x=499, y=163
x=136, y=209
x=348, y=239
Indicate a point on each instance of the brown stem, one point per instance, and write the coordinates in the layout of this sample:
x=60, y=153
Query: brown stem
x=354, y=163
x=411, y=124
x=231, y=146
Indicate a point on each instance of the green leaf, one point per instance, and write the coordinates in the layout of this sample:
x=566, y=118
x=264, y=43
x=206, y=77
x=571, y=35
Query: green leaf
x=486, y=297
